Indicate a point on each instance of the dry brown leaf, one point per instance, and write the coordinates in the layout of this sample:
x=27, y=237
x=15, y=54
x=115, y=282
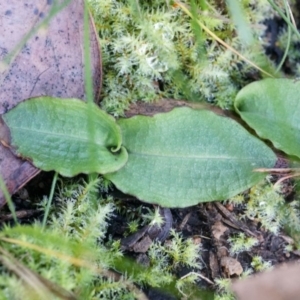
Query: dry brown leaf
x=218, y=229
x=50, y=62
x=231, y=266
x=214, y=265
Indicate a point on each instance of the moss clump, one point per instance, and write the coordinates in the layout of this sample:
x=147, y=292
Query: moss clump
x=152, y=49
x=78, y=257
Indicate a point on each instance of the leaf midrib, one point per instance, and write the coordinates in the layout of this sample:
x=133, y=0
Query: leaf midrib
x=187, y=157
x=47, y=133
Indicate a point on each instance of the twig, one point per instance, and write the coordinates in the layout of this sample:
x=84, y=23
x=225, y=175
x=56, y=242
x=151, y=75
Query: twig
x=232, y=219
x=184, y=221
x=276, y=170
x=198, y=275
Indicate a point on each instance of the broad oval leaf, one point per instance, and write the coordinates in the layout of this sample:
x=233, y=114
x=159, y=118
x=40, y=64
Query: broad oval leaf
x=68, y=136
x=187, y=156
x=272, y=108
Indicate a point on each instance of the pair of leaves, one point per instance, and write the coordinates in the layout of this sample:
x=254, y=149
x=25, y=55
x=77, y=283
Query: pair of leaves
x=175, y=159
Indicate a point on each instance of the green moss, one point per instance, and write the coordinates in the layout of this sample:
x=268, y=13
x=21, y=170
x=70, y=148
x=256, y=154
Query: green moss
x=241, y=243
x=266, y=204
x=152, y=49
x=75, y=255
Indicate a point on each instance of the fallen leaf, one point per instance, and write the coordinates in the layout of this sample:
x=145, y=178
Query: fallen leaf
x=231, y=266
x=218, y=229
x=214, y=265
x=49, y=62
x=143, y=245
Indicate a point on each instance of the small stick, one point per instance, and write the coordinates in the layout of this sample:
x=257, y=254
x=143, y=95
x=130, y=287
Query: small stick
x=276, y=170
x=198, y=275
x=225, y=213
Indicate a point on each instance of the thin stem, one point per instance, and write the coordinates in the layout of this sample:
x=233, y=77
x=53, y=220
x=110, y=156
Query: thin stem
x=208, y=31
x=284, y=17
x=285, y=178
x=89, y=84
x=276, y=170
x=56, y=8
x=6, y=194
x=289, y=14
x=198, y=275
x=87, y=57
x=47, y=210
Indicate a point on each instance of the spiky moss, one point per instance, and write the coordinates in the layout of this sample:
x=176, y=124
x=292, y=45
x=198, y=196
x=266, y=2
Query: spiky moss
x=265, y=203
x=75, y=253
x=151, y=49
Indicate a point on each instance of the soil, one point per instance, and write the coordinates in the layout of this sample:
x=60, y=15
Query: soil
x=210, y=224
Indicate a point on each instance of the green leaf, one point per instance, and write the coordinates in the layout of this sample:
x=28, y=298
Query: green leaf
x=187, y=156
x=68, y=136
x=272, y=108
